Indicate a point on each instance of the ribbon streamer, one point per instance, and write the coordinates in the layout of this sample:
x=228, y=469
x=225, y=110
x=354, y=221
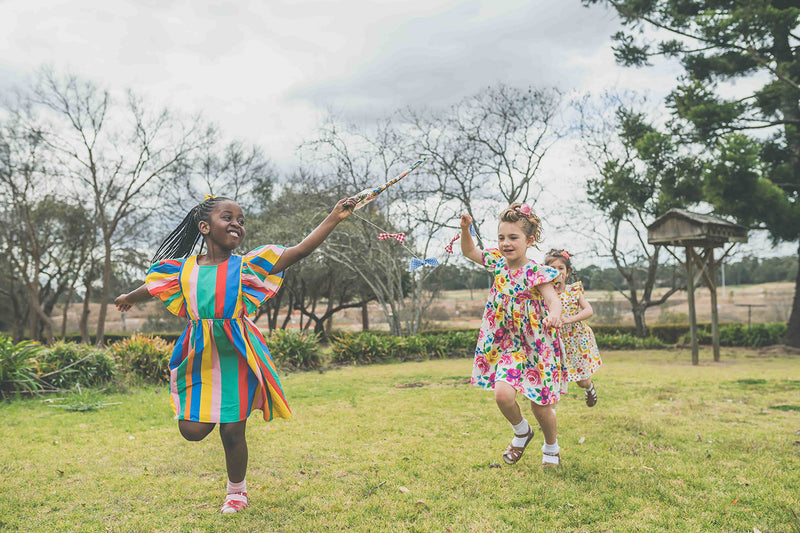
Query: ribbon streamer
x=399, y=236
x=367, y=195
x=449, y=247
x=415, y=263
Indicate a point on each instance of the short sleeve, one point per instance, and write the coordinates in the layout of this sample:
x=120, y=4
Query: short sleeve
x=540, y=274
x=258, y=284
x=491, y=259
x=163, y=282
x=576, y=289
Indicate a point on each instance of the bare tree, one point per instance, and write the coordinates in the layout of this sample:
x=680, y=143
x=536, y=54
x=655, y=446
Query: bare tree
x=118, y=155
x=485, y=151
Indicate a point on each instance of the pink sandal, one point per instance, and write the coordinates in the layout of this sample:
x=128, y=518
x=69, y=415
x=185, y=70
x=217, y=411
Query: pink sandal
x=234, y=503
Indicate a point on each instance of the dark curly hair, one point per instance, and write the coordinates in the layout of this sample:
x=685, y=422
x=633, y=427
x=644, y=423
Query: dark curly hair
x=182, y=240
x=559, y=253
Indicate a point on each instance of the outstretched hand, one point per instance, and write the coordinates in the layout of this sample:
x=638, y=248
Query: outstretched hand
x=122, y=303
x=344, y=208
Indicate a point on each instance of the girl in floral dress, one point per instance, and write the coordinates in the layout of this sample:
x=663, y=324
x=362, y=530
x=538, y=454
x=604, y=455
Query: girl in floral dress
x=221, y=368
x=518, y=346
x=580, y=348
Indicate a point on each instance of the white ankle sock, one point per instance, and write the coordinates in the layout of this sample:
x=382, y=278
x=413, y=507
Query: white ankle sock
x=237, y=487
x=551, y=449
x=520, y=429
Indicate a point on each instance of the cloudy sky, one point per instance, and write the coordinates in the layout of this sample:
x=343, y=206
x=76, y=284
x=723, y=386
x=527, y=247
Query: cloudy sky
x=269, y=71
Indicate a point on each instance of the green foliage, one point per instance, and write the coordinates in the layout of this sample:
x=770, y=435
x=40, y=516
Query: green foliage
x=752, y=171
x=18, y=367
x=145, y=357
x=82, y=400
x=742, y=335
x=625, y=341
x=65, y=365
x=295, y=351
x=367, y=348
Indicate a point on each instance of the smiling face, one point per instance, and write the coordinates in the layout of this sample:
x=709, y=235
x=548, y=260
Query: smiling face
x=225, y=225
x=513, y=243
x=561, y=266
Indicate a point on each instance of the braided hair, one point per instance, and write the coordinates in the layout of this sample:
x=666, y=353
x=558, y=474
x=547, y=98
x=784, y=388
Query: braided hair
x=530, y=223
x=182, y=240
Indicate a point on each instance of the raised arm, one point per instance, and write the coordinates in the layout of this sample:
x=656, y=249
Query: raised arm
x=125, y=301
x=468, y=247
x=290, y=256
x=585, y=312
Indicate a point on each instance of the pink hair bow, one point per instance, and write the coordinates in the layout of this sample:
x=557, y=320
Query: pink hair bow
x=525, y=209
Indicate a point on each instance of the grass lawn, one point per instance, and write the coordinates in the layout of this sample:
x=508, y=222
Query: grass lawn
x=408, y=447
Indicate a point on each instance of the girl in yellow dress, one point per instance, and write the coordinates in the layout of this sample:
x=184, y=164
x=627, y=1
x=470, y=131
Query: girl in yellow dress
x=580, y=348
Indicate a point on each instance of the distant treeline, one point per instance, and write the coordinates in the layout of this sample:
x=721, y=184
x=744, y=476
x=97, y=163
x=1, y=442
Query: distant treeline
x=747, y=271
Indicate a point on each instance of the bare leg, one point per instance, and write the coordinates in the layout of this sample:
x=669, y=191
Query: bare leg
x=584, y=383
x=235, y=444
x=547, y=421
x=194, y=430
x=506, y=398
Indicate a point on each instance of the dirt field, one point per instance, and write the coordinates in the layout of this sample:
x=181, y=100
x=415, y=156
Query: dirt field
x=771, y=302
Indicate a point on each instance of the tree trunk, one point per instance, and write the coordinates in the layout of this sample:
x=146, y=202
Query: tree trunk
x=364, y=317
x=84, y=320
x=105, y=295
x=64, y=312
x=638, y=311
x=792, y=335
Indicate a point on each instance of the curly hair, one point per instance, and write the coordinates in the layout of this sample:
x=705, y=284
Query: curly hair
x=183, y=238
x=530, y=223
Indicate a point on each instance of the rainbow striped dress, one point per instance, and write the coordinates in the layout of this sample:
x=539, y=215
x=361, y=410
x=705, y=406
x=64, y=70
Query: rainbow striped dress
x=221, y=368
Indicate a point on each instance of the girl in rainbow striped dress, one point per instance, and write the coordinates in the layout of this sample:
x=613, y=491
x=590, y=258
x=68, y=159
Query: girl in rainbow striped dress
x=221, y=368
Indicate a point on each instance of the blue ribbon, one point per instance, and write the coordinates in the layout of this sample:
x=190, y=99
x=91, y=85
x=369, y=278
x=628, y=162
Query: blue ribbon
x=415, y=263
x=472, y=230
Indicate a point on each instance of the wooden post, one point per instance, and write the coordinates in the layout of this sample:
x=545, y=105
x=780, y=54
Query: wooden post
x=712, y=287
x=690, y=298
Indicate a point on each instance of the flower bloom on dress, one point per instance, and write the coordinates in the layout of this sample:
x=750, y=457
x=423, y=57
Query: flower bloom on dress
x=505, y=359
x=482, y=364
x=533, y=375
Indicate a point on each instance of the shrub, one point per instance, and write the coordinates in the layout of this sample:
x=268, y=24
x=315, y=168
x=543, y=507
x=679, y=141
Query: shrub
x=295, y=351
x=742, y=335
x=18, y=367
x=65, y=365
x=145, y=357
x=364, y=348
x=624, y=341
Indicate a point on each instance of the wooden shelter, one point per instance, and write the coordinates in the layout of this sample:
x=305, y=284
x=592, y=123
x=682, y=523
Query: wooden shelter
x=678, y=227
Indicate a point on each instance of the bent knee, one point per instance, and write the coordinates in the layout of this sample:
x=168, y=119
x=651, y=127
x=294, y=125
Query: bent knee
x=504, y=393
x=194, y=431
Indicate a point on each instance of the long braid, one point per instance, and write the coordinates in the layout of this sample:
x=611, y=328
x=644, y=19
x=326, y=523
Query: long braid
x=183, y=239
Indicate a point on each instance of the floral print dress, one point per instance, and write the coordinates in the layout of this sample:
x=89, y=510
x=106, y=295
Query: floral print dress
x=512, y=345
x=580, y=348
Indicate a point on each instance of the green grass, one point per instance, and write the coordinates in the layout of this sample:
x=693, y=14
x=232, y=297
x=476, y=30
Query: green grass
x=669, y=447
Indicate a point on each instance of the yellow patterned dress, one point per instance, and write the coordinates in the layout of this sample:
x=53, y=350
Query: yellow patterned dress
x=580, y=348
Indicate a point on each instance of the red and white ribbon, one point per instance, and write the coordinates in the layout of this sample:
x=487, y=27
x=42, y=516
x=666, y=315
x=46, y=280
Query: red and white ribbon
x=399, y=236
x=449, y=247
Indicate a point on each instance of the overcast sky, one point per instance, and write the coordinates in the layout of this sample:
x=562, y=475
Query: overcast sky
x=267, y=72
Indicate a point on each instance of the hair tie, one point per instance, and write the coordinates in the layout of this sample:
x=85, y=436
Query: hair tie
x=525, y=209
x=565, y=254
x=209, y=197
